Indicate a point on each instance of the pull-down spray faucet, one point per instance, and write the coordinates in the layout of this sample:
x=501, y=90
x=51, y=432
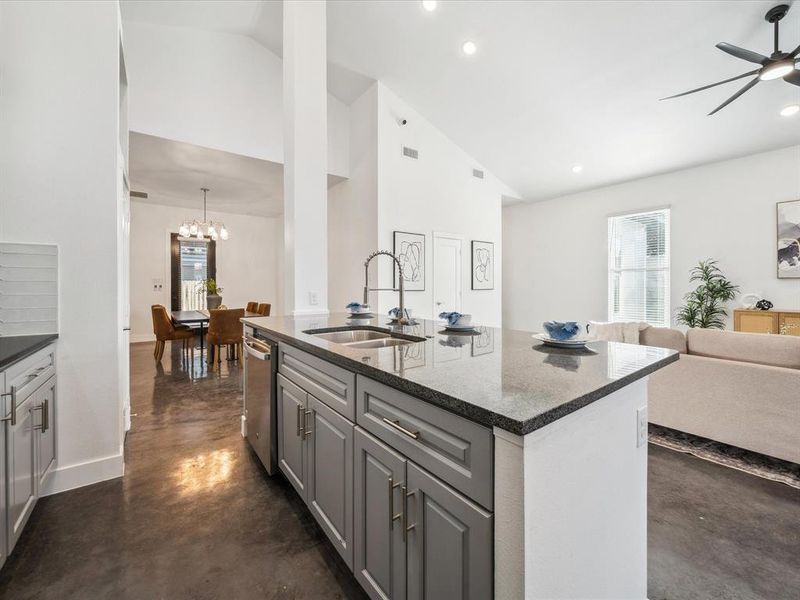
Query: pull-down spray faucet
x=402, y=319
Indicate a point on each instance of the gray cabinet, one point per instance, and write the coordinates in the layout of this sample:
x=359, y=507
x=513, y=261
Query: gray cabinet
x=292, y=459
x=329, y=485
x=3, y=504
x=449, y=542
x=379, y=560
x=21, y=471
x=45, y=434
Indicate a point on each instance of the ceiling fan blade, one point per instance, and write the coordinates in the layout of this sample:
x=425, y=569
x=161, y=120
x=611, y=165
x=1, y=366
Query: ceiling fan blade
x=793, y=77
x=742, y=53
x=705, y=87
x=735, y=96
x=794, y=52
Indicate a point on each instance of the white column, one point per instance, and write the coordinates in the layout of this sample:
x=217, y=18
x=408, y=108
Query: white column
x=305, y=157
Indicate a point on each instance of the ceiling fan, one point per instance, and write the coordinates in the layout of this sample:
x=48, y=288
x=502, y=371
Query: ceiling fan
x=776, y=65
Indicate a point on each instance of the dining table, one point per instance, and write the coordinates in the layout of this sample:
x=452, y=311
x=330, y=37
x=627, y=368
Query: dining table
x=200, y=317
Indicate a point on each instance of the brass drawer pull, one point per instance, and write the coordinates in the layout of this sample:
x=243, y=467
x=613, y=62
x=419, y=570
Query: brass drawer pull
x=13, y=418
x=394, y=517
x=299, y=427
x=406, y=496
x=396, y=424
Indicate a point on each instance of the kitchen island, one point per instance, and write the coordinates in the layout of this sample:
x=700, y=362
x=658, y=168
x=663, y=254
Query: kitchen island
x=447, y=465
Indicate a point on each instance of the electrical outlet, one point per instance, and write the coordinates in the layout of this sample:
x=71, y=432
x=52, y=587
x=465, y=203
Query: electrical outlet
x=641, y=426
x=312, y=298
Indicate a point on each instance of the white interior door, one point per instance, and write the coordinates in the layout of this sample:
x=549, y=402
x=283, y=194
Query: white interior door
x=446, y=273
x=124, y=262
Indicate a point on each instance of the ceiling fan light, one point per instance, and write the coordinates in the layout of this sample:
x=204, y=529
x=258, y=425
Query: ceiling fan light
x=792, y=109
x=776, y=70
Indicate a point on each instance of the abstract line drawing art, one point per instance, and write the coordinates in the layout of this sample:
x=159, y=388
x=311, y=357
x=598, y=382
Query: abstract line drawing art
x=409, y=248
x=482, y=265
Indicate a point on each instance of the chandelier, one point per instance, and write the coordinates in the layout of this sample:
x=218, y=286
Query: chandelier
x=204, y=229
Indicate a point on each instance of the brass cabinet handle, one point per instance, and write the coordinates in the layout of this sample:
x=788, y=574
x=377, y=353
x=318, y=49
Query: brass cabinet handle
x=394, y=517
x=396, y=425
x=13, y=418
x=305, y=423
x=299, y=427
x=406, y=496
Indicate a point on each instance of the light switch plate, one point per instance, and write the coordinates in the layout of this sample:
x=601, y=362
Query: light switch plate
x=641, y=426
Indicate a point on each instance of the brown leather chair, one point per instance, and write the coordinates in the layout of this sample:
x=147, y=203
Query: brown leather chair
x=252, y=307
x=224, y=329
x=263, y=309
x=165, y=329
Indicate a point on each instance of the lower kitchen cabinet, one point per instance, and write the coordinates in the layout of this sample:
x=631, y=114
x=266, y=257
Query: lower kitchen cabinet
x=450, y=541
x=292, y=459
x=21, y=471
x=329, y=486
x=46, y=439
x=379, y=560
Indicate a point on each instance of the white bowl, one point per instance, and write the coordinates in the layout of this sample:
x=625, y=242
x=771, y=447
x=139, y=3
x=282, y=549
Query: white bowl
x=463, y=321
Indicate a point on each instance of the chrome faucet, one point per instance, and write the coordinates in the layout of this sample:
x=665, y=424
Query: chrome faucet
x=402, y=318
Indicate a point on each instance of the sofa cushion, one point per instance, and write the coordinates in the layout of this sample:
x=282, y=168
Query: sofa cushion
x=758, y=348
x=663, y=337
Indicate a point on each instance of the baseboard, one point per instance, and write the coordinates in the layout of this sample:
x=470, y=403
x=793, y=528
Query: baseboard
x=69, y=477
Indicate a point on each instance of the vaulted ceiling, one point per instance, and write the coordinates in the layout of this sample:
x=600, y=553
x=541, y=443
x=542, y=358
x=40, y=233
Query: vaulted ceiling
x=552, y=84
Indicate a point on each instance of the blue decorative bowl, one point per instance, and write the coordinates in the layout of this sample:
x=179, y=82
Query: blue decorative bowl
x=561, y=330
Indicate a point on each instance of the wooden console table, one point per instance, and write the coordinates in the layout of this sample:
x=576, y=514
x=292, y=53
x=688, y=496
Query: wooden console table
x=767, y=321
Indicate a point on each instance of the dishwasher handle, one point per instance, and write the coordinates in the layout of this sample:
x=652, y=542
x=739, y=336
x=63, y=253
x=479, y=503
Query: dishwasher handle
x=257, y=349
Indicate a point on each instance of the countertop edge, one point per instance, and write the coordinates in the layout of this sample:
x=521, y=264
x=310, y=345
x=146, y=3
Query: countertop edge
x=460, y=407
x=25, y=353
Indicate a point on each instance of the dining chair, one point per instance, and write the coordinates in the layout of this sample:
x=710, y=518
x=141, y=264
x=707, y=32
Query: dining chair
x=224, y=329
x=252, y=307
x=263, y=309
x=166, y=330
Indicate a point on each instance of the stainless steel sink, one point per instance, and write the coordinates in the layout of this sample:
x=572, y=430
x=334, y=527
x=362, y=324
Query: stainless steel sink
x=383, y=343
x=362, y=337
x=351, y=335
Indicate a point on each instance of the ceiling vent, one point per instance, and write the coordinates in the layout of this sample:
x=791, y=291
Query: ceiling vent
x=410, y=152
x=477, y=173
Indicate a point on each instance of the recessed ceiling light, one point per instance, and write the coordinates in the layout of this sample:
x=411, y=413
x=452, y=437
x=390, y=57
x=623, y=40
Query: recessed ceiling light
x=577, y=168
x=792, y=109
x=469, y=48
x=429, y=5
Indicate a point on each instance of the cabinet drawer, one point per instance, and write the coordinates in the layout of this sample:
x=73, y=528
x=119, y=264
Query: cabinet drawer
x=28, y=374
x=451, y=447
x=331, y=384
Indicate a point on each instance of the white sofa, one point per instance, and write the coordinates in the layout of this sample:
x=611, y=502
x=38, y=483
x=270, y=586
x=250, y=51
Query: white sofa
x=741, y=389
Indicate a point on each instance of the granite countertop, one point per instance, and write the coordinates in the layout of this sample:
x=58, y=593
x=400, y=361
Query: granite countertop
x=497, y=377
x=13, y=349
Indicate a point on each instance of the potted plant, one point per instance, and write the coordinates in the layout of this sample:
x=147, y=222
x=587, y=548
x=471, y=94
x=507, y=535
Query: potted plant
x=704, y=306
x=213, y=298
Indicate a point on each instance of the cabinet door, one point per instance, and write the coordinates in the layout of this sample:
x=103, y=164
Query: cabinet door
x=754, y=321
x=46, y=426
x=379, y=550
x=21, y=470
x=330, y=474
x=449, y=543
x=291, y=439
x=3, y=506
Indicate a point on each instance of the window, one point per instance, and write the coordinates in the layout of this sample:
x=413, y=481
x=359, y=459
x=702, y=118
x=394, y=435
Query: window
x=192, y=262
x=638, y=267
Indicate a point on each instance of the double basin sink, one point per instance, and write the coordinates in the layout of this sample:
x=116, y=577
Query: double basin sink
x=363, y=337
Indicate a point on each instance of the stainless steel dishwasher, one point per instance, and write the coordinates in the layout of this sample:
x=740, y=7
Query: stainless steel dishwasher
x=260, y=370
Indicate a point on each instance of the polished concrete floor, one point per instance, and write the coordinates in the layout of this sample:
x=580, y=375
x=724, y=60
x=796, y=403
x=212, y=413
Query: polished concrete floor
x=195, y=517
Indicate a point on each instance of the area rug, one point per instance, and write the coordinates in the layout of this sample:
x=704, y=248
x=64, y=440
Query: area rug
x=728, y=456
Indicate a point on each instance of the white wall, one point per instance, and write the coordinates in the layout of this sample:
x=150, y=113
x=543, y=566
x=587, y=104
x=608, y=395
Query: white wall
x=247, y=263
x=58, y=141
x=216, y=90
x=436, y=193
x=353, y=208
x=556, y=251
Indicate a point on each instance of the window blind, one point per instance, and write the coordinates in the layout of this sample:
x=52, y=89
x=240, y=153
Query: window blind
x=28, y=289
x=638, y=267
